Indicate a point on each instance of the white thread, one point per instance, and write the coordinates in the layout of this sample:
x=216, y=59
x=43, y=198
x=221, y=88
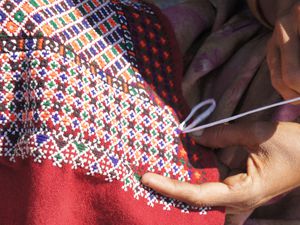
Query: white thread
x=192, y=127
x=201, y=117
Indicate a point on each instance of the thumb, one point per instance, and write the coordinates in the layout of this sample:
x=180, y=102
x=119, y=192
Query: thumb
x=244, y=134
x=233, y=191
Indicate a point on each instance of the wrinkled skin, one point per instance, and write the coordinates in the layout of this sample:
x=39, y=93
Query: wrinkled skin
x=217, y=56
x=269, y=145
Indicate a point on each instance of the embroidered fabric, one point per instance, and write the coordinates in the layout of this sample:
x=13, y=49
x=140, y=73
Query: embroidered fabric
x=85, y=90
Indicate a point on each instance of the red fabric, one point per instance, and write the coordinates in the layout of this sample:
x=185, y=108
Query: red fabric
x=42, y=194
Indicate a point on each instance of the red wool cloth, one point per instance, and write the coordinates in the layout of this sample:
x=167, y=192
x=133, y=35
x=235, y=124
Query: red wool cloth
x=90, y=101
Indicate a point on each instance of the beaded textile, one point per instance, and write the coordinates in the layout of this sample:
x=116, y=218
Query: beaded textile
x=92, y=84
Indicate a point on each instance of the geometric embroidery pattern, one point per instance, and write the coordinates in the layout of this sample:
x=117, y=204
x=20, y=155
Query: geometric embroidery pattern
x=71, y=93
x=89, y=28
x=70, y=115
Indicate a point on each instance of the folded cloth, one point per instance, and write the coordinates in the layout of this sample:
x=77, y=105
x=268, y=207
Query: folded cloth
x=90, y=100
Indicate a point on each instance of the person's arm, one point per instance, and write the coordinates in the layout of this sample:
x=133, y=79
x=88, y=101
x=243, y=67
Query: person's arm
x=273, y=168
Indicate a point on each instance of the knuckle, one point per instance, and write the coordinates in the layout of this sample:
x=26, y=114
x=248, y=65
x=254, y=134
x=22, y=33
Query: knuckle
x=184, y=194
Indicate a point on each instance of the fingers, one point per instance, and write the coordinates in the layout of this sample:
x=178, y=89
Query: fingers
x=247, y=134
x=274, y=63
x=288, y=41
x=223, y=136
x=192, y=194
x=283, y=56
x=232, y=194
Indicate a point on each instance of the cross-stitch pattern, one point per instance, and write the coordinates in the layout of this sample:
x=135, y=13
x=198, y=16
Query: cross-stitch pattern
x=73, y=91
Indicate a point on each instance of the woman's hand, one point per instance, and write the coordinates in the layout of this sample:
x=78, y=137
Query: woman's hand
x=273, y=168
x=283, y=53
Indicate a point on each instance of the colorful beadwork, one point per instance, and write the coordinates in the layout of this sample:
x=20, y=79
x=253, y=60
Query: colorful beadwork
x=71, y=91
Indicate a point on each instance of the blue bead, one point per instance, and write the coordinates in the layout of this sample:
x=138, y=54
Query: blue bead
x=2, y=16
x=37, y=17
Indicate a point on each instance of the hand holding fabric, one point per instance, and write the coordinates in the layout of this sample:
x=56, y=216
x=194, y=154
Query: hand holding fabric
x=273, y=168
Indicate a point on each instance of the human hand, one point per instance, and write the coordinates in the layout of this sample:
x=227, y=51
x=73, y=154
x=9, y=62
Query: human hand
x=283, y=54
x=273, y=168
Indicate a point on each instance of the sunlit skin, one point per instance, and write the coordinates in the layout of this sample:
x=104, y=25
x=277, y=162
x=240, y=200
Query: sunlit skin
x=273, y=163
x=273, y=168
x=283, y=54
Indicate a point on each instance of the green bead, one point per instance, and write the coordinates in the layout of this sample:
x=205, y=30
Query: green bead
x=19, y=16
x=34, y=3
